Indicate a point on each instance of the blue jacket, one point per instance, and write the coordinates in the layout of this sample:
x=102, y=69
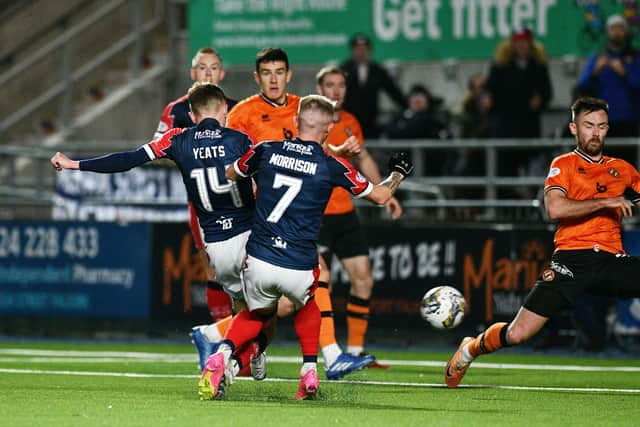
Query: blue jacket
x=621, y=93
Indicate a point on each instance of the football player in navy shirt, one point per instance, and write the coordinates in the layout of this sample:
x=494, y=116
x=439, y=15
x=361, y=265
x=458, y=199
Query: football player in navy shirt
x=224, y=210
x=206, y=67
x=294, y=179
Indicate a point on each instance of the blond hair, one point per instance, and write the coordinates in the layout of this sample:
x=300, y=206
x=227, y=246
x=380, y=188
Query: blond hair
x=204, y=51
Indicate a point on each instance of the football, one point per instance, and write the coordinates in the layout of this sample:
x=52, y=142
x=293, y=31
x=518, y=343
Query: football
x=443, y=307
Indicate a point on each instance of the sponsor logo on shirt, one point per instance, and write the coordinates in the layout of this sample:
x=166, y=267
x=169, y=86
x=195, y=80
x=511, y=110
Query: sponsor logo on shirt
x=306, y=150
x=208, y=133
x=562, y=269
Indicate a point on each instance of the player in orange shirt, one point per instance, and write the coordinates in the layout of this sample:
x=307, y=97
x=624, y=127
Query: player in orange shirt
x=341, y=232
x=585, y=192
x=268, y=115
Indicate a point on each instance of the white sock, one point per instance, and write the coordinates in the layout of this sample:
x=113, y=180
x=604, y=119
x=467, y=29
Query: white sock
x=211, y=332
x=330, y=354
x=466, y=356
x=235, y=368
x=226, y=350
x=306, y=367
x=355, y=350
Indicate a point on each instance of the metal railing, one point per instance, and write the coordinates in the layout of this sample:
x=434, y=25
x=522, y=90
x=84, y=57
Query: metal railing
x=420, y=192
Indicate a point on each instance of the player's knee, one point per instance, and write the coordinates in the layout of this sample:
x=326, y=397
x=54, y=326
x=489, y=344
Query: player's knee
x=285, y=307
x=517, y=335
x=362, y=283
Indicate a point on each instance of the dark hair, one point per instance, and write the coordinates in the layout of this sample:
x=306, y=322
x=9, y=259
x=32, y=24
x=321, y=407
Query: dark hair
x=588, y=104
x=205, y=95
x=330, y=69
x=269, y=54
x=360, y=38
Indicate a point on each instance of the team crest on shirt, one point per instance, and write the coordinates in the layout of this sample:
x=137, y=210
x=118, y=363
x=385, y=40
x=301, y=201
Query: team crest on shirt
x=360, y=178
x=226, y=223
x=614, y=172
x=265, y=117
x=548, y=275
x=279, y=242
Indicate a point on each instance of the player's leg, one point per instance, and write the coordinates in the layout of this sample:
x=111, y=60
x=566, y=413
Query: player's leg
x=221, y=368
x=350, y=246
x=300, y=287
x=337, y=364
x=358, y=269
x=525, y=325
x=542, y=302
x=218, y=301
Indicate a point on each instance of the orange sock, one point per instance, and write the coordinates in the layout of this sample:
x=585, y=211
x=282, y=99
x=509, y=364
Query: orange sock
x=327, y=327
x=357, y=323
x=494, y=338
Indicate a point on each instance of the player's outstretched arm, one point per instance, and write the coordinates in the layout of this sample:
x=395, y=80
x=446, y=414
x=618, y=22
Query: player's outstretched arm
x=400, y=167
x=60, y=161
x=560, y=207
x=109, y=163
x=369, y=169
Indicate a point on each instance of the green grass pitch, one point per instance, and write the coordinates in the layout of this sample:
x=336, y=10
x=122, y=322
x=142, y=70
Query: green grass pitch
x=69, y=384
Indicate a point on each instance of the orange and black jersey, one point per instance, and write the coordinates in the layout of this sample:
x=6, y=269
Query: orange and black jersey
x=263, y=119
x=582, y=178
x=341, y=201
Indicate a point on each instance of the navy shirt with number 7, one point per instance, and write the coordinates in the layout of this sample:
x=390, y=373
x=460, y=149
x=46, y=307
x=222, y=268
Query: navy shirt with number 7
x=295, y=179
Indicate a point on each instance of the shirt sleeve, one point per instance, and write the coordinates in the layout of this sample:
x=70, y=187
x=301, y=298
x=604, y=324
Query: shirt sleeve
x=161, y=148
x=633, y=191
x=346, y=176
x=116, y=162
x=248, y=164
x=558, y=177
x=166, y=122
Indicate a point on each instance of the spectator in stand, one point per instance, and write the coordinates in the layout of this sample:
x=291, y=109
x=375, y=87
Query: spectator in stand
x=613, y=74
x=519, y=90
x=365, y=80
x=475, y=108
x=424, y=118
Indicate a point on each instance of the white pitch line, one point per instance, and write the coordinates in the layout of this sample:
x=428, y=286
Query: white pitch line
x=381, y=383
x=64, y=356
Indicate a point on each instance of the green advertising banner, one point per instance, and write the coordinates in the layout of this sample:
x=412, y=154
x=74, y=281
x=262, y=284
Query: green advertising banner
x=317, y=31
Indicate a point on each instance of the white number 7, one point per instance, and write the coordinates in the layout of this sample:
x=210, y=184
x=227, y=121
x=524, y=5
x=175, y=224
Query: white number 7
x=294, y=184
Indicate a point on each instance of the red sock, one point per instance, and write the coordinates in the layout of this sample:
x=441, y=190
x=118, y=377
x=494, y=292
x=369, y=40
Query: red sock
x=307, y=326
x=218, y=301
x=245, y=326
x=244, y=357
